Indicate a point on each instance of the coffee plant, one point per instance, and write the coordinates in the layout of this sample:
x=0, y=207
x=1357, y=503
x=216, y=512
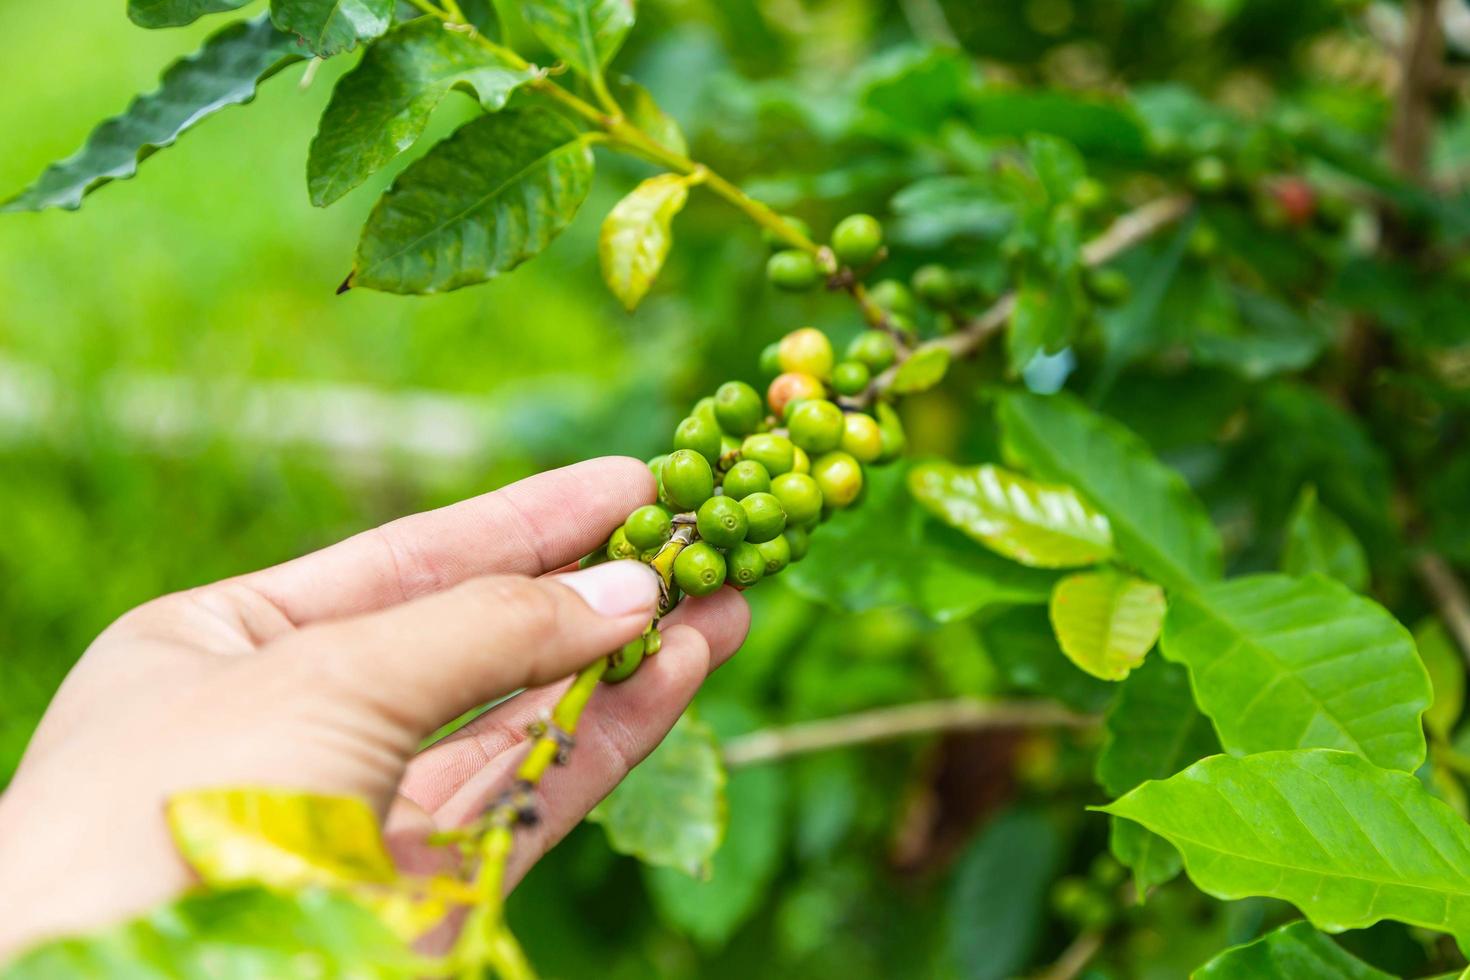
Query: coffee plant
x=1185, y=380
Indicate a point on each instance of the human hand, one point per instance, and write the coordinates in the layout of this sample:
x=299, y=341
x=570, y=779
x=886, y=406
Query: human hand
x=325, y=674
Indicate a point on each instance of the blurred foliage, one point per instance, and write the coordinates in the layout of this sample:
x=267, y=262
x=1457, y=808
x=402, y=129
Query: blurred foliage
x=1296, y=370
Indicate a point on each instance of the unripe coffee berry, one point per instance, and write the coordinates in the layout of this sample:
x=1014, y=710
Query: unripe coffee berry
x=875, y=349
x=893, y=296
x=764, y=516
x=800, y=461
x=792, y=387
x=705, y=409
x=774, y=241
x=770, y=362
x=1089, y=193
x=619, y=547
x=891, y=427
x=806, y=351
x=850, y=377
x=699, y=435
x=622, y=663
x=656, y=465
x=745, y=564
x=816, y=425
x=799, y=540
x=745, y=478
x=722, y=522
x=776, y=552
x=648, y=527
x=729, y=450
x=840, y=477
x=700, y=569
x=688, y=480
x=800, y=498
x=1209, y=174
x=856, y=239
x=653, y=641
x=935, y=285
x=861, y=437
x=775, y=453
x=792, y=270
x=737, y=408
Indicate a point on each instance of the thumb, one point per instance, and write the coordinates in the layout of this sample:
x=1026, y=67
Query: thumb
x=426, y=661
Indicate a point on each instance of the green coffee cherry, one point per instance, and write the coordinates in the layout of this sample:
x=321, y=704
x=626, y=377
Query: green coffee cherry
x=656, y=466
x=619, y=547
x=622, y=663
x=653, y=641
x=729, y=449
x=775, y=453
x=737, y=408
x=875, y=349
x=800, y=497
x=596, y=558
x=746, y=565
x=745, y=478
x=856, y=239
x=765, y=518
x=774, y=241
x=799, y=540
x=893, y=296
x=776, y=552
x=699, y=569
x=806, y=351
x=840, y=477
x=770, y=363
x=816, y=425
x=792, y=270
x=648, y=527
x=1089, y=193
x=688, y=480
x=722, y=522
x=1080, y=901
x=891, y=428
x=861, y=437
x=789, y=388
x=800, y=461
x=705, y=409
x=1209, y=174
x=850, y=377
x=700, y=436
x=935, y=285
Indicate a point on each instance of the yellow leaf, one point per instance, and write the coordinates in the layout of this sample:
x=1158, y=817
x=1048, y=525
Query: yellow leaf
x=1106, y=622
x=636, y=236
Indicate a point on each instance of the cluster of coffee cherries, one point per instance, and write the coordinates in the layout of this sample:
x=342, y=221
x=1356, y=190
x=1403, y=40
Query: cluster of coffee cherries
x=750, y=479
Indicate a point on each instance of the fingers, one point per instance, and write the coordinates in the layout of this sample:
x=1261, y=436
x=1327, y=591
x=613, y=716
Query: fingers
x=527, y=528
x=457, y=779
x=410, y=668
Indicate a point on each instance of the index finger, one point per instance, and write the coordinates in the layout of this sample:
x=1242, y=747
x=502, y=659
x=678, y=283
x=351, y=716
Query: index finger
x=527, y=528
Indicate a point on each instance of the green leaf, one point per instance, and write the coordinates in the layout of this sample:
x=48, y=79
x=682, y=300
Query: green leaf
x=1057, y=163
x=889, y=553
x=1284, y=663
x=645, y=113
x=1106, y=622
x=636, y=236
x=242, y=934
x=480, y=203
x=224, y=72
x=176, y=13
x=711, y=909
x=1293, y=952
x=1037, y=524
x=1041, y=323
x=998, y=898
x=330, y=27
x=1158, y=524
x=380, y=108
x=925, y=369
x=671, y=808
x=1346, y=842
x=1441, y=656
x=1318, y=541
x=583, y=33
x=1152, y=731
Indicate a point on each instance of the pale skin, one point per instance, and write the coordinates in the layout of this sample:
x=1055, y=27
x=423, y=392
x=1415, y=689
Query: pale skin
x=325, y=673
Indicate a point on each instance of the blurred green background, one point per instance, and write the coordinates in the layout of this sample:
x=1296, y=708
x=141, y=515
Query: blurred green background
x=183, y=397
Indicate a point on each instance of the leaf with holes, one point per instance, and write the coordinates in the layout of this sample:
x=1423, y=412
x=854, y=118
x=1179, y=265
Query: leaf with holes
x=1157, y=522
x=583, y=33
x=1037, y=524
x=1292, y=952
x=1106, y=622
x=1282, y=663
x=636, y=236
x=176, y=13
x=224, y=72
x=1346, y=842
x=380, y=108
x=329, y=27
x=478, y=204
